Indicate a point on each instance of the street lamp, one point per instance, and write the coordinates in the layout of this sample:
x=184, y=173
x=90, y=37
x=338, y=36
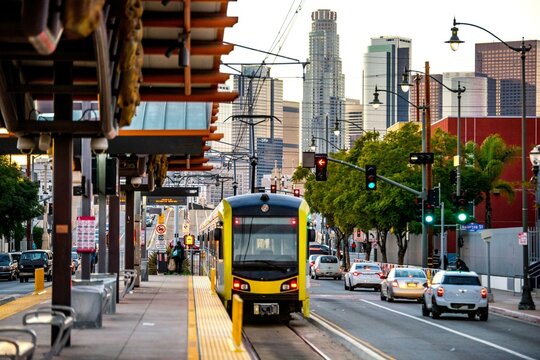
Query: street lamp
x=313, y=137
x=405, y=87
x=526, y=302
x=336, y=126
x=376, y=103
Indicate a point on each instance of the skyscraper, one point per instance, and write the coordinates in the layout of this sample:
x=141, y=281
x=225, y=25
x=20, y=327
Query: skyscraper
x=324, y=85
x=498, y=62
x=385, y=61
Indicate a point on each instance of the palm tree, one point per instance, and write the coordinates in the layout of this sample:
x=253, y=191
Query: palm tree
x=490, y=160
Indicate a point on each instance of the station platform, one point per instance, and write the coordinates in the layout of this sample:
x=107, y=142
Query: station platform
x=167, y=317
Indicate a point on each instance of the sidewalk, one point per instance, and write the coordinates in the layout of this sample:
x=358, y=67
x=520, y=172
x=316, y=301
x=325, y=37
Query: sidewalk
x=150, y=323
x=506, y=303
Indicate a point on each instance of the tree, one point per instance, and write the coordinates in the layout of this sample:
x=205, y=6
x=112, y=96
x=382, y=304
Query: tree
x=19, y=201
x=489, y=160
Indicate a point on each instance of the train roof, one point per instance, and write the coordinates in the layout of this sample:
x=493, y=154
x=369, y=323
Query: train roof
x=256, y=199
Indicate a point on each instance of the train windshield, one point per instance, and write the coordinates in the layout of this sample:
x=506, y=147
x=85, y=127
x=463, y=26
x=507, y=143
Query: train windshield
x=265, y=247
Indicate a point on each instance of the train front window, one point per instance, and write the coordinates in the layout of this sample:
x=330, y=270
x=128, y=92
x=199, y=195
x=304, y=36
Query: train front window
x=268, y=244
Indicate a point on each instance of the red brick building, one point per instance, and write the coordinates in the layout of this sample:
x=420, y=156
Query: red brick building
x=505, y=214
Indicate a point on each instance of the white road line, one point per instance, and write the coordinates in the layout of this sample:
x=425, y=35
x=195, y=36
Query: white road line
x=452, y=331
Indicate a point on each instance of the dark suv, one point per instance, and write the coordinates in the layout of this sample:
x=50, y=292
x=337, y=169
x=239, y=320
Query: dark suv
x=8, y=267
x=32, y=260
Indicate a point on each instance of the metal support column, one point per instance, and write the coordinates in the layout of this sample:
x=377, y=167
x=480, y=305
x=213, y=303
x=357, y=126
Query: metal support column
x=129, y=262
x=114, y=240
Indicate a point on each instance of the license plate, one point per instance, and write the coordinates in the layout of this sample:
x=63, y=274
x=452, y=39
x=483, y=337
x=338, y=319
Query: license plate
x=411, y=284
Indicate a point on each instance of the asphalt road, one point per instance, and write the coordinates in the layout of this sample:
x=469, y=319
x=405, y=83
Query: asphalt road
x=399, y=329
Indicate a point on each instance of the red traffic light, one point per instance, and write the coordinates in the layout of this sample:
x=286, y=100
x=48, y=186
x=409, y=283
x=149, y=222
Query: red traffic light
x=296, y=192
x=321, y=167
x=321, y=161
x=273, y=189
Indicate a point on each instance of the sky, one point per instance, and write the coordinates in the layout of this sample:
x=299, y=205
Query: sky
x=283, y=26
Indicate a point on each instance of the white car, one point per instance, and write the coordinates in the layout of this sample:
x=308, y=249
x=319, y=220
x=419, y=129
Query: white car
x=326, y=266
x=455, y=292
x=363, y=275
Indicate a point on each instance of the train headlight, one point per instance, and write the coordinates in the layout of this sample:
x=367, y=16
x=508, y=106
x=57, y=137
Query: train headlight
x=240, y=285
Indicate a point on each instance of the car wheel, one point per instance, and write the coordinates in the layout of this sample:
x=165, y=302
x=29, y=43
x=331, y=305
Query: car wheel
x=484, y=315
x=425, y=310
x=471, y=315
x=316, y=277
x=25, y=279
x=383, y=298
x=420, y=300
x=21, y=279
x=435, y=311
x=345, y=285
x=351, y=288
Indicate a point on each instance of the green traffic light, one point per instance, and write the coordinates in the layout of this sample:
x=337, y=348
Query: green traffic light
x=429, y=218
x=371, y=185
x=462, y=217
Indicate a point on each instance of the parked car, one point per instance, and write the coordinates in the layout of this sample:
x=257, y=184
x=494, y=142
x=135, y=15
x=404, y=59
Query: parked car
x=403, y=283
x=32, y=260
x=320, y=249
x=8, y=267
x=363, y=275
x=326, y=266
x=455, y=292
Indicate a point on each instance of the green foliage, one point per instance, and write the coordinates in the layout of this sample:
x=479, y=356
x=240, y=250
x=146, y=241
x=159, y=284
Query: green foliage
x=19, y=200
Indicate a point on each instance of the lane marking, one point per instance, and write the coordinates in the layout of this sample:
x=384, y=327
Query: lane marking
x=363, y=346
x=515, y=353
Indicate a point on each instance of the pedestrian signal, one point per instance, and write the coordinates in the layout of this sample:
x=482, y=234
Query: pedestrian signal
x=188, y=239
x=321, y=167
x=296, y=192
x=273, y=189
x=371, y=177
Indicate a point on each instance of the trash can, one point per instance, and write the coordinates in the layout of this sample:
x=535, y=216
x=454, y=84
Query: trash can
x=109, y=280
x=87, y=300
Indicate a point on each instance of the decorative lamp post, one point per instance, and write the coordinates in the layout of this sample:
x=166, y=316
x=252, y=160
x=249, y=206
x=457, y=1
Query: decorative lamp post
x=526, y=302
x=376, y=103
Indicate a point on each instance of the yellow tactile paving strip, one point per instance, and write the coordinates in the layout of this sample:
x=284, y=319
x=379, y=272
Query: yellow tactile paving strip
x=214, y=327
x=23, y=303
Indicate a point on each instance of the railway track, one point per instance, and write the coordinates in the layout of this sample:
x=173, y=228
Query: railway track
x=298, y=340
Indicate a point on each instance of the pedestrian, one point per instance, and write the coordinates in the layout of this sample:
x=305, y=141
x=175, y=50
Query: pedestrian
x=445, y=262
x=353, y=246
x=178, y=256
x=461, y=266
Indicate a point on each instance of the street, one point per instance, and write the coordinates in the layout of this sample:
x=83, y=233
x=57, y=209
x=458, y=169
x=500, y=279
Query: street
x=399, y=330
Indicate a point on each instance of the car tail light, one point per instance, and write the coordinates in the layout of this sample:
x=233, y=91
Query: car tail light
x=381, y=275
x=293, y=221
x=289, y=285
x=236, y=221
x=395, y=283
x=356, y=273
x=440, y=291
x=240, y=285
x=484, y=293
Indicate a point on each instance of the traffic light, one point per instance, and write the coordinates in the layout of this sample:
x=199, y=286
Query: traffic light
x=273, y=189
x=371, y=177
x=462, y=211
x=418, y=208
x=321, y=167
x=429, y=213
x=296, y=192
x=188, y=240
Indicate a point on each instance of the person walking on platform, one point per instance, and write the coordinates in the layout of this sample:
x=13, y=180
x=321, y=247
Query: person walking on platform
x=178, y=256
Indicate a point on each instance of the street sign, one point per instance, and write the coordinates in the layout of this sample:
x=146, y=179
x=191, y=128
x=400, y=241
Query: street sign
x=522, y=238
x=161, y=229
x=472, y=227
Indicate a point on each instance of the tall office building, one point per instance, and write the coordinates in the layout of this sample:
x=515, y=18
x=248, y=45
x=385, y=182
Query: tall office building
x=257, y=123
x=353, y=126
x=475, y=101
x=384, y=63
x=291, y=137
x=324, y=85
x=498, y=62
x=417, y=95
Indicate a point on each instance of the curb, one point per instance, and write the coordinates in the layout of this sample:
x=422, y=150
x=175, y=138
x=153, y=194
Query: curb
x=7, y=299
x=515, y=314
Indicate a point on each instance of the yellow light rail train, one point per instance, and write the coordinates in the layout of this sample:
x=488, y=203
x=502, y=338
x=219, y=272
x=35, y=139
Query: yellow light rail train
x=258, y=244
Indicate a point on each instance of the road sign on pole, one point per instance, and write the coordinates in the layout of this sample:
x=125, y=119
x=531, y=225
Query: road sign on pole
x=161, y=229
x=185, y=228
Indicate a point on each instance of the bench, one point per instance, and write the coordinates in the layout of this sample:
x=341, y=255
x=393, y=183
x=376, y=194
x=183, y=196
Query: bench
x=17, y=343
x=129, y=281
x=53, y=316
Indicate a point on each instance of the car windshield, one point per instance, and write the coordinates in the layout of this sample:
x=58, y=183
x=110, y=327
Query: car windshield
x=4, y=259
x=367, y=267
x=461, y=280
x=410, y=274
x=34, y=256
x=328, y=259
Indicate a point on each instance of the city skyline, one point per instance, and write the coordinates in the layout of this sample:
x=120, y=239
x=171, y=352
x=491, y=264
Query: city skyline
x=356, y=27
